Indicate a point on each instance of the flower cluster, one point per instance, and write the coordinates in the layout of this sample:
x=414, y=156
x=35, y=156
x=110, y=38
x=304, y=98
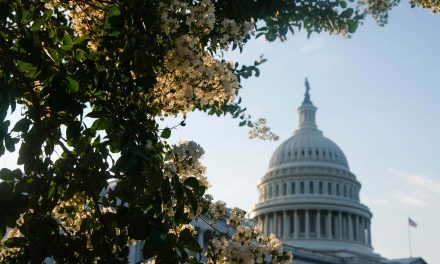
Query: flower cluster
x=70, y=213
x=378, y=9
x=247, y=246
x=191, y=77
x=83, y=15
x=262, y=131
x=217, y=210
x=236, y=216
x=184, y=160
x=6, y=252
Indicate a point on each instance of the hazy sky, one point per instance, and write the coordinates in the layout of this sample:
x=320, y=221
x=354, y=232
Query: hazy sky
x=378, y=98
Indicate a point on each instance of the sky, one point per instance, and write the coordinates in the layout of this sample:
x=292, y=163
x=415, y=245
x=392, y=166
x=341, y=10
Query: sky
x=378, y=98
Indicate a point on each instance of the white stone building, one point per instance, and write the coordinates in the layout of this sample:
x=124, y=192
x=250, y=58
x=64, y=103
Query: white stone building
x=309, y=198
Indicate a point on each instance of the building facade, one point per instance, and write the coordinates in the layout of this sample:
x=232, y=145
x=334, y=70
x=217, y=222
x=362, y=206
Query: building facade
x=309, y=198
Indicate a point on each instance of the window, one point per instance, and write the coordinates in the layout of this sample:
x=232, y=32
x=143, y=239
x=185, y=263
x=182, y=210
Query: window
x=311, y=187
x=337, y=189
x=270, y=191
x=317, y=153
x=329, y=188
x=345, y=190
x=323, y=153
x=351, y=192
x=310, y=152
x=277, y=190
x=292, y=188
x=301, y=187
x=320, y=188
x=302, y=152
x=284, y=188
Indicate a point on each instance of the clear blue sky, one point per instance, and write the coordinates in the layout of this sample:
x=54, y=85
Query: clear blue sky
x=378, y=98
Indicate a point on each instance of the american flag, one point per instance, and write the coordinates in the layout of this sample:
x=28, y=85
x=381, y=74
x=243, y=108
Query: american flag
x=411, y=222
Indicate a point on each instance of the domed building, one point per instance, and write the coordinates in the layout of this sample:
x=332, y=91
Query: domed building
x=309, y=198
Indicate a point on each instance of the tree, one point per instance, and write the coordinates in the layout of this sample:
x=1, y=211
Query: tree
x=92, y=79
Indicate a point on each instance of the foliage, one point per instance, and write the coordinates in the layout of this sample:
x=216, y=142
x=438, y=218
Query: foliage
x=434, y=5
x=91, y=79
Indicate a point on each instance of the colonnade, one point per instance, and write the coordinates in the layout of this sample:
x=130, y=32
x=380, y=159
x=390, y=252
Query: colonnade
x=312, y=223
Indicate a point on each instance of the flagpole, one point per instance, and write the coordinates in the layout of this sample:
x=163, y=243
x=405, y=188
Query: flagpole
x=409, y=239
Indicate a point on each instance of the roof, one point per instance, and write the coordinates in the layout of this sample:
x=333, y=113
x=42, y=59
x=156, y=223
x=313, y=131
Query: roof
x=415, y=260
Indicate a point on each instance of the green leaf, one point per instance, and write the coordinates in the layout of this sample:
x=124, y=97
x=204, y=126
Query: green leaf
x=10, y=143
x=28, y=69
x=191, y=181
x=51, y=190
x=67, y=43
x=343, y=4
x=187, y=239
x=37, y=24
x=80, y=55
x=352, y=26
x=6, y=175
x=52, y=54
x=79, y=39
x=22, y=125
x=166, y=133
x=14, y=242
x=114, y=11
x=347, y=13
x=72, y=84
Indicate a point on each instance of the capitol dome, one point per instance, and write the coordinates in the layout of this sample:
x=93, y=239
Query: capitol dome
x=309, y=198
x=308, y=146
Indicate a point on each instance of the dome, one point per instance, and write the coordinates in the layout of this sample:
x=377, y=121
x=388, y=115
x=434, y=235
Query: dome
x=308, y=197
x=308, y=145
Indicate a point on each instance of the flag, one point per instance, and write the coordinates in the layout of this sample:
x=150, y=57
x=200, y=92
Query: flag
x=411, y=222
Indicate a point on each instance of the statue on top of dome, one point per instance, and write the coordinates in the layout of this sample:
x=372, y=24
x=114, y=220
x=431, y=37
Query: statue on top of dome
x=307, y=95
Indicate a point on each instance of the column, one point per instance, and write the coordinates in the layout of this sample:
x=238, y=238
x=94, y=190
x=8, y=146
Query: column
x=356, y=227
x=339, y=236
x=369, y=232
x=318, y=224
x=275, y=224
x=350, y=228
x=295, y=224
x=362, y=230
x=328, y=223
x=266, y=225
x=285, y=225
x=307, y=221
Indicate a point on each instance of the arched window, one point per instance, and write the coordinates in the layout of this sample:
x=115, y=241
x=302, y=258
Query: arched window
x=311, y=187
x=292, y=188
x=301, y=187
x=284, y=188
x=337, y=189
x=320, y=188
x=329, y=188
x=277, y=190
x=270, y=191
x=345, y=190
